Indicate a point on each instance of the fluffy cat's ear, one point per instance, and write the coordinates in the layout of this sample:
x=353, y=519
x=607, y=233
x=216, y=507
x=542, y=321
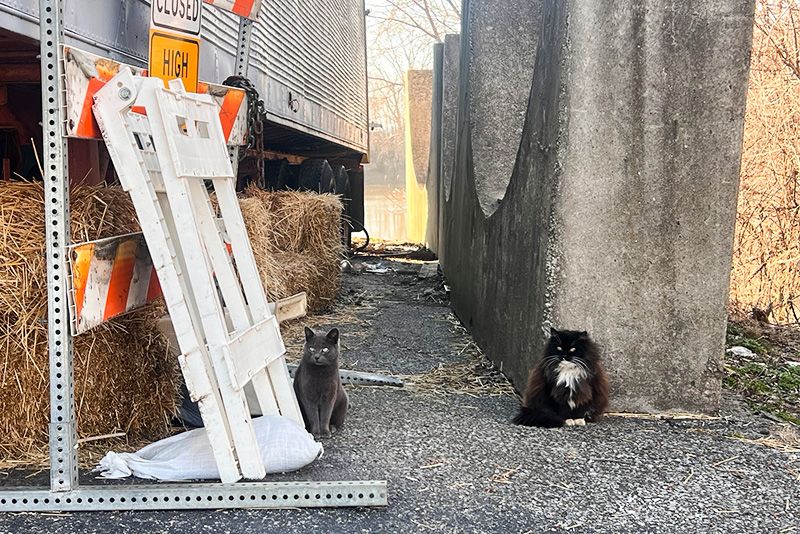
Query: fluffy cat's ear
x=309, y=334
x=553, y=332
x=333, y=335
x=583, y=335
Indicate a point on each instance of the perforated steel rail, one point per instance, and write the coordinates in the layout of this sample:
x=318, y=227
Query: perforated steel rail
x=64, y=493
x=359, y=378
x=198, y=496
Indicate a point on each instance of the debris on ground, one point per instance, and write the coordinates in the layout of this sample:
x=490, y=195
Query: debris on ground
x=428, y=270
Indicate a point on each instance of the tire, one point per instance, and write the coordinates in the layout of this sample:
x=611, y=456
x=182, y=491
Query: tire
x=315, y=175
x=277, y=174
x=341, y=182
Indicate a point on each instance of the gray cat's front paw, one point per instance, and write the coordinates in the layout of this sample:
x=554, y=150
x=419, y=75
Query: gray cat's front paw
x=325, y=434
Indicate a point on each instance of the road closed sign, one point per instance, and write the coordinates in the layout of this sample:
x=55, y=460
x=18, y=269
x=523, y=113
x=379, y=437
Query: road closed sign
x=182, y=16
x=175, y=40
x=175, y=56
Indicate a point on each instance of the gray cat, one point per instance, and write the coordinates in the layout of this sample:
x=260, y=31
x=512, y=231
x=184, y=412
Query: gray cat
x=317, y=385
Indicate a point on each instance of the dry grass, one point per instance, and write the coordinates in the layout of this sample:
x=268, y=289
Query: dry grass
x=785, y=438
x=475, y=377
x=297, y=243
x=125, y=379
x=766, y=261
x=669, y=416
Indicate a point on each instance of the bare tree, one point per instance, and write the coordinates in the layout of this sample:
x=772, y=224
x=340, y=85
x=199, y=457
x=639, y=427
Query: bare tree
x=765, y=278
x=400, y=36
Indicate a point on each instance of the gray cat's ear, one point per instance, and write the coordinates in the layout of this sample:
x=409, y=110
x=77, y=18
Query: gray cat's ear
x=309, y=334
x=333, y=335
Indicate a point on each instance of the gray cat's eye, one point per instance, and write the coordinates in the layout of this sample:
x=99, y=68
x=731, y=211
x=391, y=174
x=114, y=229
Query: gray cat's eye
x=324, y=350
x=559, y=349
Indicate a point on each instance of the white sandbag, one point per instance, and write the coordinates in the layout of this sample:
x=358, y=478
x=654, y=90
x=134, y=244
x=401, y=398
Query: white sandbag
x=285, y=446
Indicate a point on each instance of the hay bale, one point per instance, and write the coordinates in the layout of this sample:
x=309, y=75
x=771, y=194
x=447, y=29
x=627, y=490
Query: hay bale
x=125, y=378
x=296, y=241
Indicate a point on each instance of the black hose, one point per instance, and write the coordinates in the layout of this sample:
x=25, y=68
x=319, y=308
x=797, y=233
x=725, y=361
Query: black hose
x=363, y=247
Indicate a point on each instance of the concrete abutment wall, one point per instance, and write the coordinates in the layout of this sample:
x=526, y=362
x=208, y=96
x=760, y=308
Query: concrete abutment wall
x=618, y=215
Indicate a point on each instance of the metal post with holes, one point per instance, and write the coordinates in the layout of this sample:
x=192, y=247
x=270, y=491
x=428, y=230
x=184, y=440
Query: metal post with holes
x=62, y=430
x=243, y=46
x=242, y=60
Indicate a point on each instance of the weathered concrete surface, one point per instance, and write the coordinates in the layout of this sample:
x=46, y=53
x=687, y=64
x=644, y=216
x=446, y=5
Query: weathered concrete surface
x=449, y=126
x=418, y=88
x=502, y=43
x=450, y=84
x=619, y=214
x=433, y=184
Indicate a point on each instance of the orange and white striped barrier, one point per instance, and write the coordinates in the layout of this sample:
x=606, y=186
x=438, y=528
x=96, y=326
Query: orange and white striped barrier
x=244, y=8
x=86, y=73
x=113, y=276
x=110, y=277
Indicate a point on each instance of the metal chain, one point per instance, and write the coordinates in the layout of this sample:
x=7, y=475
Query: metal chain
x=256, y=115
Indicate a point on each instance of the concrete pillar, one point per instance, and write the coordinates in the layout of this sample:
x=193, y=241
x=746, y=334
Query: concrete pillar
x=433, y=182
x=449, y=124
x=619, y=214
x=418, y=88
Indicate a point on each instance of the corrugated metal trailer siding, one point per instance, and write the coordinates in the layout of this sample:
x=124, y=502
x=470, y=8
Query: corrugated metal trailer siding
x=113, y=28
x=315, y=51
x=309, y=51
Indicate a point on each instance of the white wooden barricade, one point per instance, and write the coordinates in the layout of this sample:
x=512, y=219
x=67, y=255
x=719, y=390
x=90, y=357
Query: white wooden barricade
x=163, y=160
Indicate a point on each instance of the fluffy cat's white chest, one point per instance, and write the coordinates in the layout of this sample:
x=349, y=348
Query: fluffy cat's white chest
x=570, y=375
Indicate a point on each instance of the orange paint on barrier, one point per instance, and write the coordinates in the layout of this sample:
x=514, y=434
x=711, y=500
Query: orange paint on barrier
x=105, y=73
x=121, y=276
x=243, y=7
x=230, y=110
x=87, y=127
x=154, y=287
x=80, y=274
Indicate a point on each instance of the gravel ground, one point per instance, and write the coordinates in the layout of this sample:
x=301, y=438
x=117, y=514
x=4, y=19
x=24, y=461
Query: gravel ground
x=455, y=464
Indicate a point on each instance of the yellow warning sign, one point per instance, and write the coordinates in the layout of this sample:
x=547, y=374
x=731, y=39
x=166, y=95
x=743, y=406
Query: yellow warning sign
x=175, y=56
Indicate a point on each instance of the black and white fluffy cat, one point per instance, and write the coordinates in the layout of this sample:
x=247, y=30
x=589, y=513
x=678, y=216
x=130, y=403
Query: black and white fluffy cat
x=568, y=386
x=323, y=401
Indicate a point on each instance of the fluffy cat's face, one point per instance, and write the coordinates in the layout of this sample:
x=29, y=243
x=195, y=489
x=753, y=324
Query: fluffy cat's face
x=320, y=349
x=567, y=349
